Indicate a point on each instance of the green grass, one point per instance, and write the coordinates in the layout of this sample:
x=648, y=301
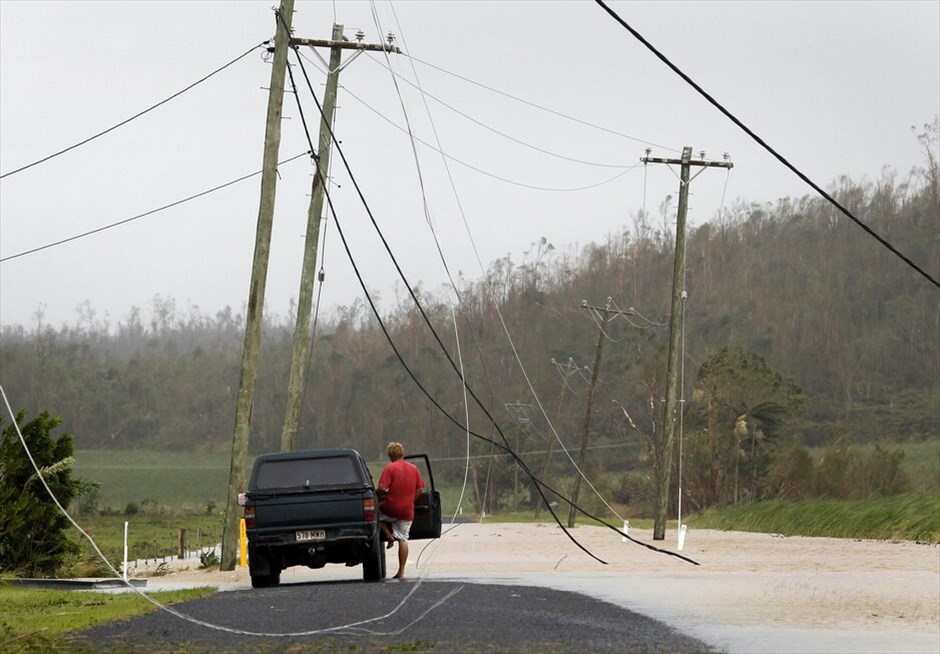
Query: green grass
x=914, y=517
x=148, y=536
x=35, y=619
x=180, y=480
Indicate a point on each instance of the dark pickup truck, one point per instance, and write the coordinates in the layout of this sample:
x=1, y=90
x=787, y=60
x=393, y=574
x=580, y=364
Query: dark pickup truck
x=320, y=506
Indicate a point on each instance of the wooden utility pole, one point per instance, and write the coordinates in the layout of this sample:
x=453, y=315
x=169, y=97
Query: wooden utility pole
x=663, y=447
x=259, y=273
x=601, y=337
x=295, y=383
x=546, y=462
x=518, y=410
x=302, y=336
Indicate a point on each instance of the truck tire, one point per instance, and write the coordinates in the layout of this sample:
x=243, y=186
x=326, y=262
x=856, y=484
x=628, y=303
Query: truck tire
x=373, y=566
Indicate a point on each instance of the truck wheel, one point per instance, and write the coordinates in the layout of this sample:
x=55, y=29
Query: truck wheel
x=261, y=581
x=373, y=566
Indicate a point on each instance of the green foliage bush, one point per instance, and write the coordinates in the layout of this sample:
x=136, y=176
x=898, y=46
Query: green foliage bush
x=33, y=541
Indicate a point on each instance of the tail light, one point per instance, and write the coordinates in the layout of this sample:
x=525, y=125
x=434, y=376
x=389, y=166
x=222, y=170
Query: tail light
x=368, y=509
x=249, y=517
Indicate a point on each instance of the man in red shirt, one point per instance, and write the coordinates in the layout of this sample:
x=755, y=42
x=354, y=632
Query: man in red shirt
x=399, y=487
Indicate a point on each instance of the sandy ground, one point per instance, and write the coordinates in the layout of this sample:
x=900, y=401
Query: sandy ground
x=751, y=593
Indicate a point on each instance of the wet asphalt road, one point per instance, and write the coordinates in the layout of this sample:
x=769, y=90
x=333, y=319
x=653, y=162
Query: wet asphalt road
x=478, y=618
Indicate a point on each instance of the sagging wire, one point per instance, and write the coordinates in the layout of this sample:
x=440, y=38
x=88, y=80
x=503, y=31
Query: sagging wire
x=538, y=106
x=417, y=160
x=650, y=323
x=499, y=313
x=507, y=448
x=350, y=628
x=146, y=213
x=466, y=471
x=477, y=169
x=437, y=242
x=496, y=131
x=540, y=485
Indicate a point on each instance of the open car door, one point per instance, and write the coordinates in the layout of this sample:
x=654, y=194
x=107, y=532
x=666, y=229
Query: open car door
x=427, y=522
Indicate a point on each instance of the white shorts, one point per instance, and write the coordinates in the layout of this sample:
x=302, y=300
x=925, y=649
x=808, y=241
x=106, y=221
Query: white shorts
x=400, y=528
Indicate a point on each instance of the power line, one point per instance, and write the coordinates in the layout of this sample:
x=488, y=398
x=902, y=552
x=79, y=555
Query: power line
x=495, y=304
x=146, y=213
x=538, y=106
x=137, y=115
x=764, y=145
x=540, y=485
x=624, y=171
x=480, y=170
x=496, y=131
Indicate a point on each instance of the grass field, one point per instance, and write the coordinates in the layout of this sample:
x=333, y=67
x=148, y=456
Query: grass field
x=179, y=481
x=148, y=537
x=34, y=619
x=183, y=483
x=903, y=517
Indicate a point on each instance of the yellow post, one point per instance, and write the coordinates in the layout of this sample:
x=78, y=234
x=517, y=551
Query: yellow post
x=242, y=544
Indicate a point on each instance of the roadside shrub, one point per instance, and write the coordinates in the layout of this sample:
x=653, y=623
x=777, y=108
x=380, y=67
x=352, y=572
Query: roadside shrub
x=33, y=539
x=791, y=475
x=877, y=472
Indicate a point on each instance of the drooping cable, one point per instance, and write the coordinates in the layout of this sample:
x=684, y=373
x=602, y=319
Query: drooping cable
x=779, y=157
x=482, y=171
x=350, y=628
x=135, y=116
x=146, y=213
x=496, y=131
x=540, y=485
x=492, y=297
x=538, y=106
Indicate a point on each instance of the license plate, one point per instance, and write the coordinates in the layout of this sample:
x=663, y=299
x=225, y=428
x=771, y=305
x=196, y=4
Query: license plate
x=311, y=534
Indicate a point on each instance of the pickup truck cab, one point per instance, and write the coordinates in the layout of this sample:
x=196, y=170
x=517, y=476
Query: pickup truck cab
x=320, y=506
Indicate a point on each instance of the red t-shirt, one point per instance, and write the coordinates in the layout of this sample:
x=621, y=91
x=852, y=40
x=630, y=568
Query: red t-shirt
x=402, y=479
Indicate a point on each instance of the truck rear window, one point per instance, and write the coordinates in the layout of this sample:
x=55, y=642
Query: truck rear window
x=301, y=473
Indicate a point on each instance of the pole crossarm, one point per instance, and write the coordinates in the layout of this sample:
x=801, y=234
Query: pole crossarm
x=690, y=162
x=346, y=45
x=607, y=309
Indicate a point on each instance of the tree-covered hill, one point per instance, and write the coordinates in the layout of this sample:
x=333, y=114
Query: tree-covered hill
x=800, y=328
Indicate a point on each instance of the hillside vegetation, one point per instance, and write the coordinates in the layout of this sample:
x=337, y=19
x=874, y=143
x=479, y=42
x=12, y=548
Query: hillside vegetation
x=801, y=332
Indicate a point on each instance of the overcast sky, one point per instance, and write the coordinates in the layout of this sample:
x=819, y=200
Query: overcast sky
x=834, y=86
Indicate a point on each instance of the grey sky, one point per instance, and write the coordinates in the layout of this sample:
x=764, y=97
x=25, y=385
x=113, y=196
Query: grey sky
x=833, y=86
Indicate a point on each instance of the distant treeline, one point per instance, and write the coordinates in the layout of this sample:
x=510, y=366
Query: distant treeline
x=800, y=329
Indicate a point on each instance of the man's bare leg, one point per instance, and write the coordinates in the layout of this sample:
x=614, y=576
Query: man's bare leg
x=388, y=535
x=402, y=558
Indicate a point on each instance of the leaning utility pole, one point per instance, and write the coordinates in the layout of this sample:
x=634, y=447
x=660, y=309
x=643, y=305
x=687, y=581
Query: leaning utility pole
x=546, y=462
x=302, y=336
x=259, y=273
x=601, y=337
x=518, y=410
x=663, y=447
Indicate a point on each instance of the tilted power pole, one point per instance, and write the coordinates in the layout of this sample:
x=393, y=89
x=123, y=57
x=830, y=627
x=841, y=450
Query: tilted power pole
x=601, y=337
x=546, y=462
x=259, y=274
x=663, y=447
x=302, y=336
x=518, y=410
